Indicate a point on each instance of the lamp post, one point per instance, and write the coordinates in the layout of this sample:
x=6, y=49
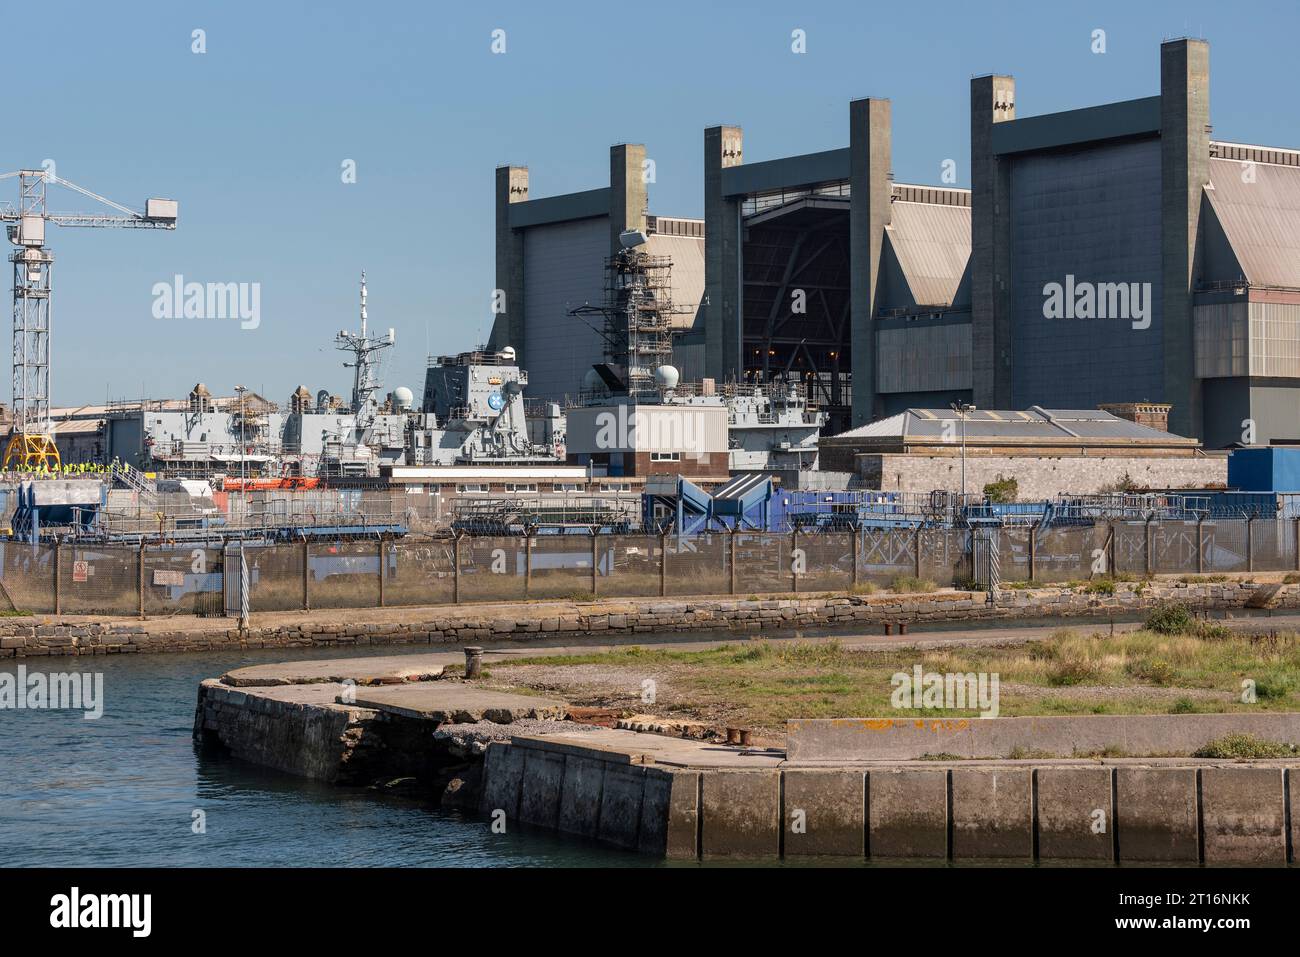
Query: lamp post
x=962, y=408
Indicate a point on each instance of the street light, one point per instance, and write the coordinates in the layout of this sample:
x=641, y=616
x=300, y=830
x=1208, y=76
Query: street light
x=962, y=409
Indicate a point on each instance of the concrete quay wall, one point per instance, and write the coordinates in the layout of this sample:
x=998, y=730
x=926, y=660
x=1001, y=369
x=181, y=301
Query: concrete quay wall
x=302, y=731
x=849, y=740
x=44, y=635
x=1139, y=811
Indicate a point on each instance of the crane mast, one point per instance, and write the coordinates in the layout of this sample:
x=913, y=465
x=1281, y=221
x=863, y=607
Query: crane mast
x=31, y=442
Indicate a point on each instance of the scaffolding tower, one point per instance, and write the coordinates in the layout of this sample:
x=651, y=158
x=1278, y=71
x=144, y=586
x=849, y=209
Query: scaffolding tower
x=636, y=321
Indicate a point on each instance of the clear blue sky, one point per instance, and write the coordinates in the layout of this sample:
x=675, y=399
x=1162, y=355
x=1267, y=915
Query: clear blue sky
x=251, y=135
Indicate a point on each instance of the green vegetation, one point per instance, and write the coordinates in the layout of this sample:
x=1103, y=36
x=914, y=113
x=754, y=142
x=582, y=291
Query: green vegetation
x=1175, y=619
x=760, y=684
x=1245, y=746
x=1003, y=491
x=910, y=583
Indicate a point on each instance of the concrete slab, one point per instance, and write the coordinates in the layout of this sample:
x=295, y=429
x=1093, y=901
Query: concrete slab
x=581, y=793
x=453, y=701
x=907, y=813
x=377, y=669
x=825, y=812
x=846, y=740
x=1157, y=814
x=741, y=814
x=503, y=774
x=539, y=797
x=635, y=747
x=621, y=799
x=1243, y=813
x=992, y=813
x=682, y=821
x=1074, y=814
x=1293, y=785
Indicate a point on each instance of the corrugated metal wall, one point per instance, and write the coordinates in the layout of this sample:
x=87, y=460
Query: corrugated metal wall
x=564, y=267
x=1275, y=339
x=1092, y=213
x=924, y=358
x=1247, y=339
x=1220, y=337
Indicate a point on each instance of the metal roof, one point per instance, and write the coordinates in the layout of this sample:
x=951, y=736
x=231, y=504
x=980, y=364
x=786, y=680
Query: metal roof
x=932, y=243
x=1260, y=218
x=741, y=485
x=1033, y=425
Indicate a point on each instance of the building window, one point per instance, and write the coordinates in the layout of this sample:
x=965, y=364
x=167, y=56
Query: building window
x=616, y=487
x=665, y=456
x=473, y=488
x=520, y=487
x=567, y=487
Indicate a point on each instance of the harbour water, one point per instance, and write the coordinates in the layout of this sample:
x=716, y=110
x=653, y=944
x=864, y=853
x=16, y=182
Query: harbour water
x=123, y=790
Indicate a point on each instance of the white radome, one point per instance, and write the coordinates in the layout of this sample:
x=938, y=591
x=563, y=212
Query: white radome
x=667, y=377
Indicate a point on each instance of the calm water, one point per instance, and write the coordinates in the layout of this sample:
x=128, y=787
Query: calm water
x=121, y=790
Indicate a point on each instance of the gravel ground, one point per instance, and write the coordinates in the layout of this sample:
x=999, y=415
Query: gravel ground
x=473, y=738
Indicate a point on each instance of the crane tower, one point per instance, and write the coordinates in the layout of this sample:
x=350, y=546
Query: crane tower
x=31, y=442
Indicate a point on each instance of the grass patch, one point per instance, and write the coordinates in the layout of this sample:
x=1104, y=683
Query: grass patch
x=1245, y=746
x=864, y=588
x=761, y=684
x=910, y=583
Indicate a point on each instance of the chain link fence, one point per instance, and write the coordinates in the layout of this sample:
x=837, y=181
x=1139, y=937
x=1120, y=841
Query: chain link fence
x=175, y=579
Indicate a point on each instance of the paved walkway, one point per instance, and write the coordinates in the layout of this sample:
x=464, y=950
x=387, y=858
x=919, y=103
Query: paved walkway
x=419, y=665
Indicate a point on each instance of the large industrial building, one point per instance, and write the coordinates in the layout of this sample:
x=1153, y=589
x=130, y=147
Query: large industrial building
x=1113, y=254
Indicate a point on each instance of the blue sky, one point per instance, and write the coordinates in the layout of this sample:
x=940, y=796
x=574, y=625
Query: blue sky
x=250, y=137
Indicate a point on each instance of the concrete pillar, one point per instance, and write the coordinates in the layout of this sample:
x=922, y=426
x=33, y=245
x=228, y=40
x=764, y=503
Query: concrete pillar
x=869, y=214
x=992, y=101
x=723, y=147
x=508, y=325
x=627, y=191
x=1184, y=171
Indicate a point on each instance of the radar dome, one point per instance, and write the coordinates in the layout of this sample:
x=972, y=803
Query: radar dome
x=403, y=398
x=508, y=353
x=667, y=377
x=592, y=382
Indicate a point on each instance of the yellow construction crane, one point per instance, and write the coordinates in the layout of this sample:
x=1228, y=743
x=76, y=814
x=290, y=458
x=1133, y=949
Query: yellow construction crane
x=31, y=442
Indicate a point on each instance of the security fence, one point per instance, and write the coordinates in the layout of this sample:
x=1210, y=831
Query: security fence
x=158, y=580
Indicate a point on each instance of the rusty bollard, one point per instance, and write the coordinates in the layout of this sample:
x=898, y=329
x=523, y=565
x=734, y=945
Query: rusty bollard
x=473, y=662
x=902, y=627
x=733, y=736
x=745, y=737
x=889, y=628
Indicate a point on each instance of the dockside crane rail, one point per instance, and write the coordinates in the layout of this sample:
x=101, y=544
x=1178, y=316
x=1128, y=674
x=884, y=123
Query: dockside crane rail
x=31, y=442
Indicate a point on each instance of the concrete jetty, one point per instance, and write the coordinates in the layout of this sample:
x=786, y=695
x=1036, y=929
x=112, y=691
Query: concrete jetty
x=371, y=719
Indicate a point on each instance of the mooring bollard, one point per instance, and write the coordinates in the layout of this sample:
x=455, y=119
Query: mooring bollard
x=473, y=661
x=902, y=627
x=889, y=629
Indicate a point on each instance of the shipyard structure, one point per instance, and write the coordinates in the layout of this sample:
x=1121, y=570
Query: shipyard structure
x=1119, y=253
x=1109, y=310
